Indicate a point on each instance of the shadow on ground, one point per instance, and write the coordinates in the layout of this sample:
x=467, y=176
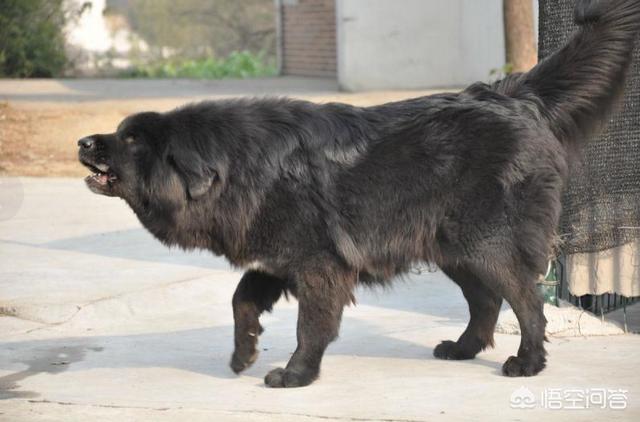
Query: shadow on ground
x=204, y=351
x=138, y=245
x=134, y=244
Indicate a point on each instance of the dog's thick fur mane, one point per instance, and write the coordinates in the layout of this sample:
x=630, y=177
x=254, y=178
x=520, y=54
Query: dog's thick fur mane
x=330, y=174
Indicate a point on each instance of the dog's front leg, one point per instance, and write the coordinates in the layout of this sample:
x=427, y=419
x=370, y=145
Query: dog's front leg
x=322, y=296
x=256, y=293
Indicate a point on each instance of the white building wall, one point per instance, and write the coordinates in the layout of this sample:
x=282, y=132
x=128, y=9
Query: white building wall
x=417, y=43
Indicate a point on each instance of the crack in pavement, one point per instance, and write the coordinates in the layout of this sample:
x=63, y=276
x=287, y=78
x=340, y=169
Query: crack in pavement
x=15, y=313
x=110, y=406
x=247, y=412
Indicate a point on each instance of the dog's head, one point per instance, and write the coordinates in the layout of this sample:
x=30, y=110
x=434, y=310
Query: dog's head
x=148, y=159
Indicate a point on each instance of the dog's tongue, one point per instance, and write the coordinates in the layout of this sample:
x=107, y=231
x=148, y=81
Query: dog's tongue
x=101, y=178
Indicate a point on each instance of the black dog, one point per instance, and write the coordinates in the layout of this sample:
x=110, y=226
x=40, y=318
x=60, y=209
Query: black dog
x=314, y=199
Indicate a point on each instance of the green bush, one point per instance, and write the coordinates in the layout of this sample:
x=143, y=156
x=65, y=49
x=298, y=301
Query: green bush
x=31, y=38
x=239, y=64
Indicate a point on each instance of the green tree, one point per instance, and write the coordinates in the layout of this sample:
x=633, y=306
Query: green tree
x=32, y=38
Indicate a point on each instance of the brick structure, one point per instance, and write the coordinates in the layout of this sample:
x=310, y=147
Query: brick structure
x=307, y=37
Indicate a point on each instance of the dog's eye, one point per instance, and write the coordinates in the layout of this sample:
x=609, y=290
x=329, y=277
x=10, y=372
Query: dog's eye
x=129, y=140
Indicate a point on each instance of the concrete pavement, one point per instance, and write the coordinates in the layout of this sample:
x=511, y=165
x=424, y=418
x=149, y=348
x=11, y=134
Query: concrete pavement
x=101, y=322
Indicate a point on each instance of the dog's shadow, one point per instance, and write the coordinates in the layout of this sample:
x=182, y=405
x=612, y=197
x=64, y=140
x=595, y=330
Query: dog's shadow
x=135, y=244
x=205, y=351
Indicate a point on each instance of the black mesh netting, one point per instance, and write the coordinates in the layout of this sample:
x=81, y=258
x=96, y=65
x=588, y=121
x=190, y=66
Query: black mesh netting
x=602, y=200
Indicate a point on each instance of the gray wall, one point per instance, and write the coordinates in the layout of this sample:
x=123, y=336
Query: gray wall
x=417, y=43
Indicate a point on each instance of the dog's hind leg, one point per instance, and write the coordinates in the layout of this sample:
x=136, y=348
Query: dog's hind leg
x=256, y=293
x=322, y=290
x=484, y=306
x=527, y=304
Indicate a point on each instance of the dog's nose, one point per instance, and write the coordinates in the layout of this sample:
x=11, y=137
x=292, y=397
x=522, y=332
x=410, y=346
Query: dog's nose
x=86, y=143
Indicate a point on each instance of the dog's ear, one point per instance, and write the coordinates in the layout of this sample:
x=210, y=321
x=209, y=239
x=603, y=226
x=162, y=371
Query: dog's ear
x=199, y=175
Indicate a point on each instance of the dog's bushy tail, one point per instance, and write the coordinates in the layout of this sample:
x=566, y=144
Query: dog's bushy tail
x=577, y=86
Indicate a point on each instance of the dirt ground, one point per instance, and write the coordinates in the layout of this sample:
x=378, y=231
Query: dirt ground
x=40, y=142
x=38, y=138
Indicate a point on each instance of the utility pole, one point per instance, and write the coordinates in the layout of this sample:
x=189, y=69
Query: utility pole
x=520, y=40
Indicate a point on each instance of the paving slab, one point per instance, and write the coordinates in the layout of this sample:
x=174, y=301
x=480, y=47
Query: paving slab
x=102, y=322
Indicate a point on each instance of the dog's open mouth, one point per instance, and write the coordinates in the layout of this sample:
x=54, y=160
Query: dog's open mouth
x=102, y=177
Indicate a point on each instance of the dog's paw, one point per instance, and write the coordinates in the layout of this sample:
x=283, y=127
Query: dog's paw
x=451, y=350
x=241, y=361
x=522, y=367
x=287, y=378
